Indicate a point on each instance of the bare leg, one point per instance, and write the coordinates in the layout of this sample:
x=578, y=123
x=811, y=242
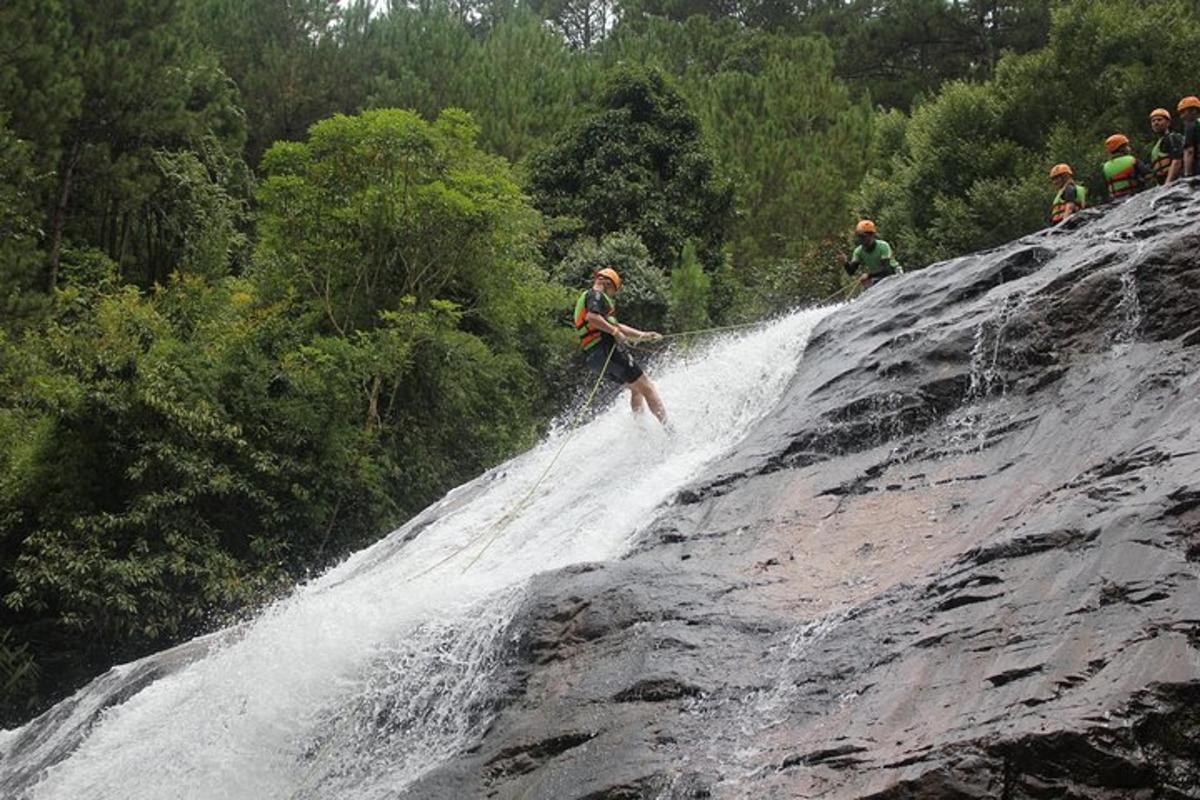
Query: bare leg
x=635, y=399
x=643, y=388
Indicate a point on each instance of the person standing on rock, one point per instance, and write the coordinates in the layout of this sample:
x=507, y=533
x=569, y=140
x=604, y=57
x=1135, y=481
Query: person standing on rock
x=1070, y=198
x=1166, y=157
x=873, y=254
x=1189, y=112
x=1124, y=173
x=599, y=334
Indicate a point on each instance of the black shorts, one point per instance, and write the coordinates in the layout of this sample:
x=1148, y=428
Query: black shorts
x=621, y=368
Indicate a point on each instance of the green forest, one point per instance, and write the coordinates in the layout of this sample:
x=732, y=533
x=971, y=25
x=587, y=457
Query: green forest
x=276, y=274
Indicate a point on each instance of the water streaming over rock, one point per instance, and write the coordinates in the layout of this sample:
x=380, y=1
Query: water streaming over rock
x=383, y=668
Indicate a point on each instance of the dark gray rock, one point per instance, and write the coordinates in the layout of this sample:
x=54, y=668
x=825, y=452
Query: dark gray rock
x=959, y=560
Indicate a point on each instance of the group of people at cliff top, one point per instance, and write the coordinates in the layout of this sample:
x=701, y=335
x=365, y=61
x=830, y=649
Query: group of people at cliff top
x=1172, y=156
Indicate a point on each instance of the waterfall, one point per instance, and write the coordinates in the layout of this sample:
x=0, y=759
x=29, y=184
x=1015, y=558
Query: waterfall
x=372, y=674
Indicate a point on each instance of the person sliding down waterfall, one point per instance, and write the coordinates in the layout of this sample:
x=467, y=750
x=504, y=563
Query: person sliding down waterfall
x=873, y=254
x=599, y=333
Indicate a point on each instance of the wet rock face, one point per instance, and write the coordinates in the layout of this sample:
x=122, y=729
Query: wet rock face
x=959, y=560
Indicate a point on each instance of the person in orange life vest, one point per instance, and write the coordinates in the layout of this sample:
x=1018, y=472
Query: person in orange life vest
x=1124, y=173
x=1070, y=198
x=1189, y=111
x=600, y=333
x=1166, y=157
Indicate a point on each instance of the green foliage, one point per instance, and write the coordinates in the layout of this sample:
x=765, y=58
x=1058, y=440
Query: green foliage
x=637, y=164
x=107, y=90
x=689, y=293
x=523, y=86
x=385, y=213
x=582, y=23
x=40, y=86
x=896, y=49
x=516, y=77
x=797, y=142
x=19, y=257
x=172, y=457
x=287, y=58
x=383, y=206
x=18, y=677
x=199, y=221
x=423, y=54
x=902, y=49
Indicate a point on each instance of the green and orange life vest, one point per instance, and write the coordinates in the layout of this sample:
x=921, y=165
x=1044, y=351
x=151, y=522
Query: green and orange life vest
x=589, y=336
x=1120, y=174
x=1058, y=211
x=1160, y=158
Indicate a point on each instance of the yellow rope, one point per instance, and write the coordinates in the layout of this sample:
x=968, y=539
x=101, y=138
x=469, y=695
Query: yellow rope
x=739, y=326
x=494, y=530
x=520, y=506
x=316, y=760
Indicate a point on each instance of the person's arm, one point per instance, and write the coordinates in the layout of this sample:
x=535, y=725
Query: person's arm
x=619, y=330
x=1173, y=171
x=1069, y=198
x=1142, y=171
x=598, y=309
x=1175, y=153
x=1189, y=152
x=852, y=263
x=634, y=333
x=601, y=323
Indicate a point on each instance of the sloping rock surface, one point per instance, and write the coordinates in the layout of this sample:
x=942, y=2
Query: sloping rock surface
x=959, y=560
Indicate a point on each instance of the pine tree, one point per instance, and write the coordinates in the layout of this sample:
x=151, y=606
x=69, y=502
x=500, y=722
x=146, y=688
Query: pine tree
x=689, y=292
x=286, y=59
x=523, y=85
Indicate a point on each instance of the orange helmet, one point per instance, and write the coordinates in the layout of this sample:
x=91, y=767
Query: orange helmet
x=1191, y=101
x=1060, y=169
x=865, y=226
x=611, y=274
x=1161, y=112
x=1116, y=142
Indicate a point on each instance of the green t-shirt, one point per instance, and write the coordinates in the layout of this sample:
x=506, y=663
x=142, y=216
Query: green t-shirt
x=873, y=259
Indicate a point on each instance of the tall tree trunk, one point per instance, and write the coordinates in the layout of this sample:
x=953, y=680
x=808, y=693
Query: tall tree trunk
x=373, y=403
x=59, y=220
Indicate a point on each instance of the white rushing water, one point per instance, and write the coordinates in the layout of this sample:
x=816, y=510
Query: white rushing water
x=384, y=667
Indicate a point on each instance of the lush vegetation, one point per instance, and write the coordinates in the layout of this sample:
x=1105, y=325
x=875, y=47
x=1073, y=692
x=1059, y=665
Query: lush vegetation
x=277, y=273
